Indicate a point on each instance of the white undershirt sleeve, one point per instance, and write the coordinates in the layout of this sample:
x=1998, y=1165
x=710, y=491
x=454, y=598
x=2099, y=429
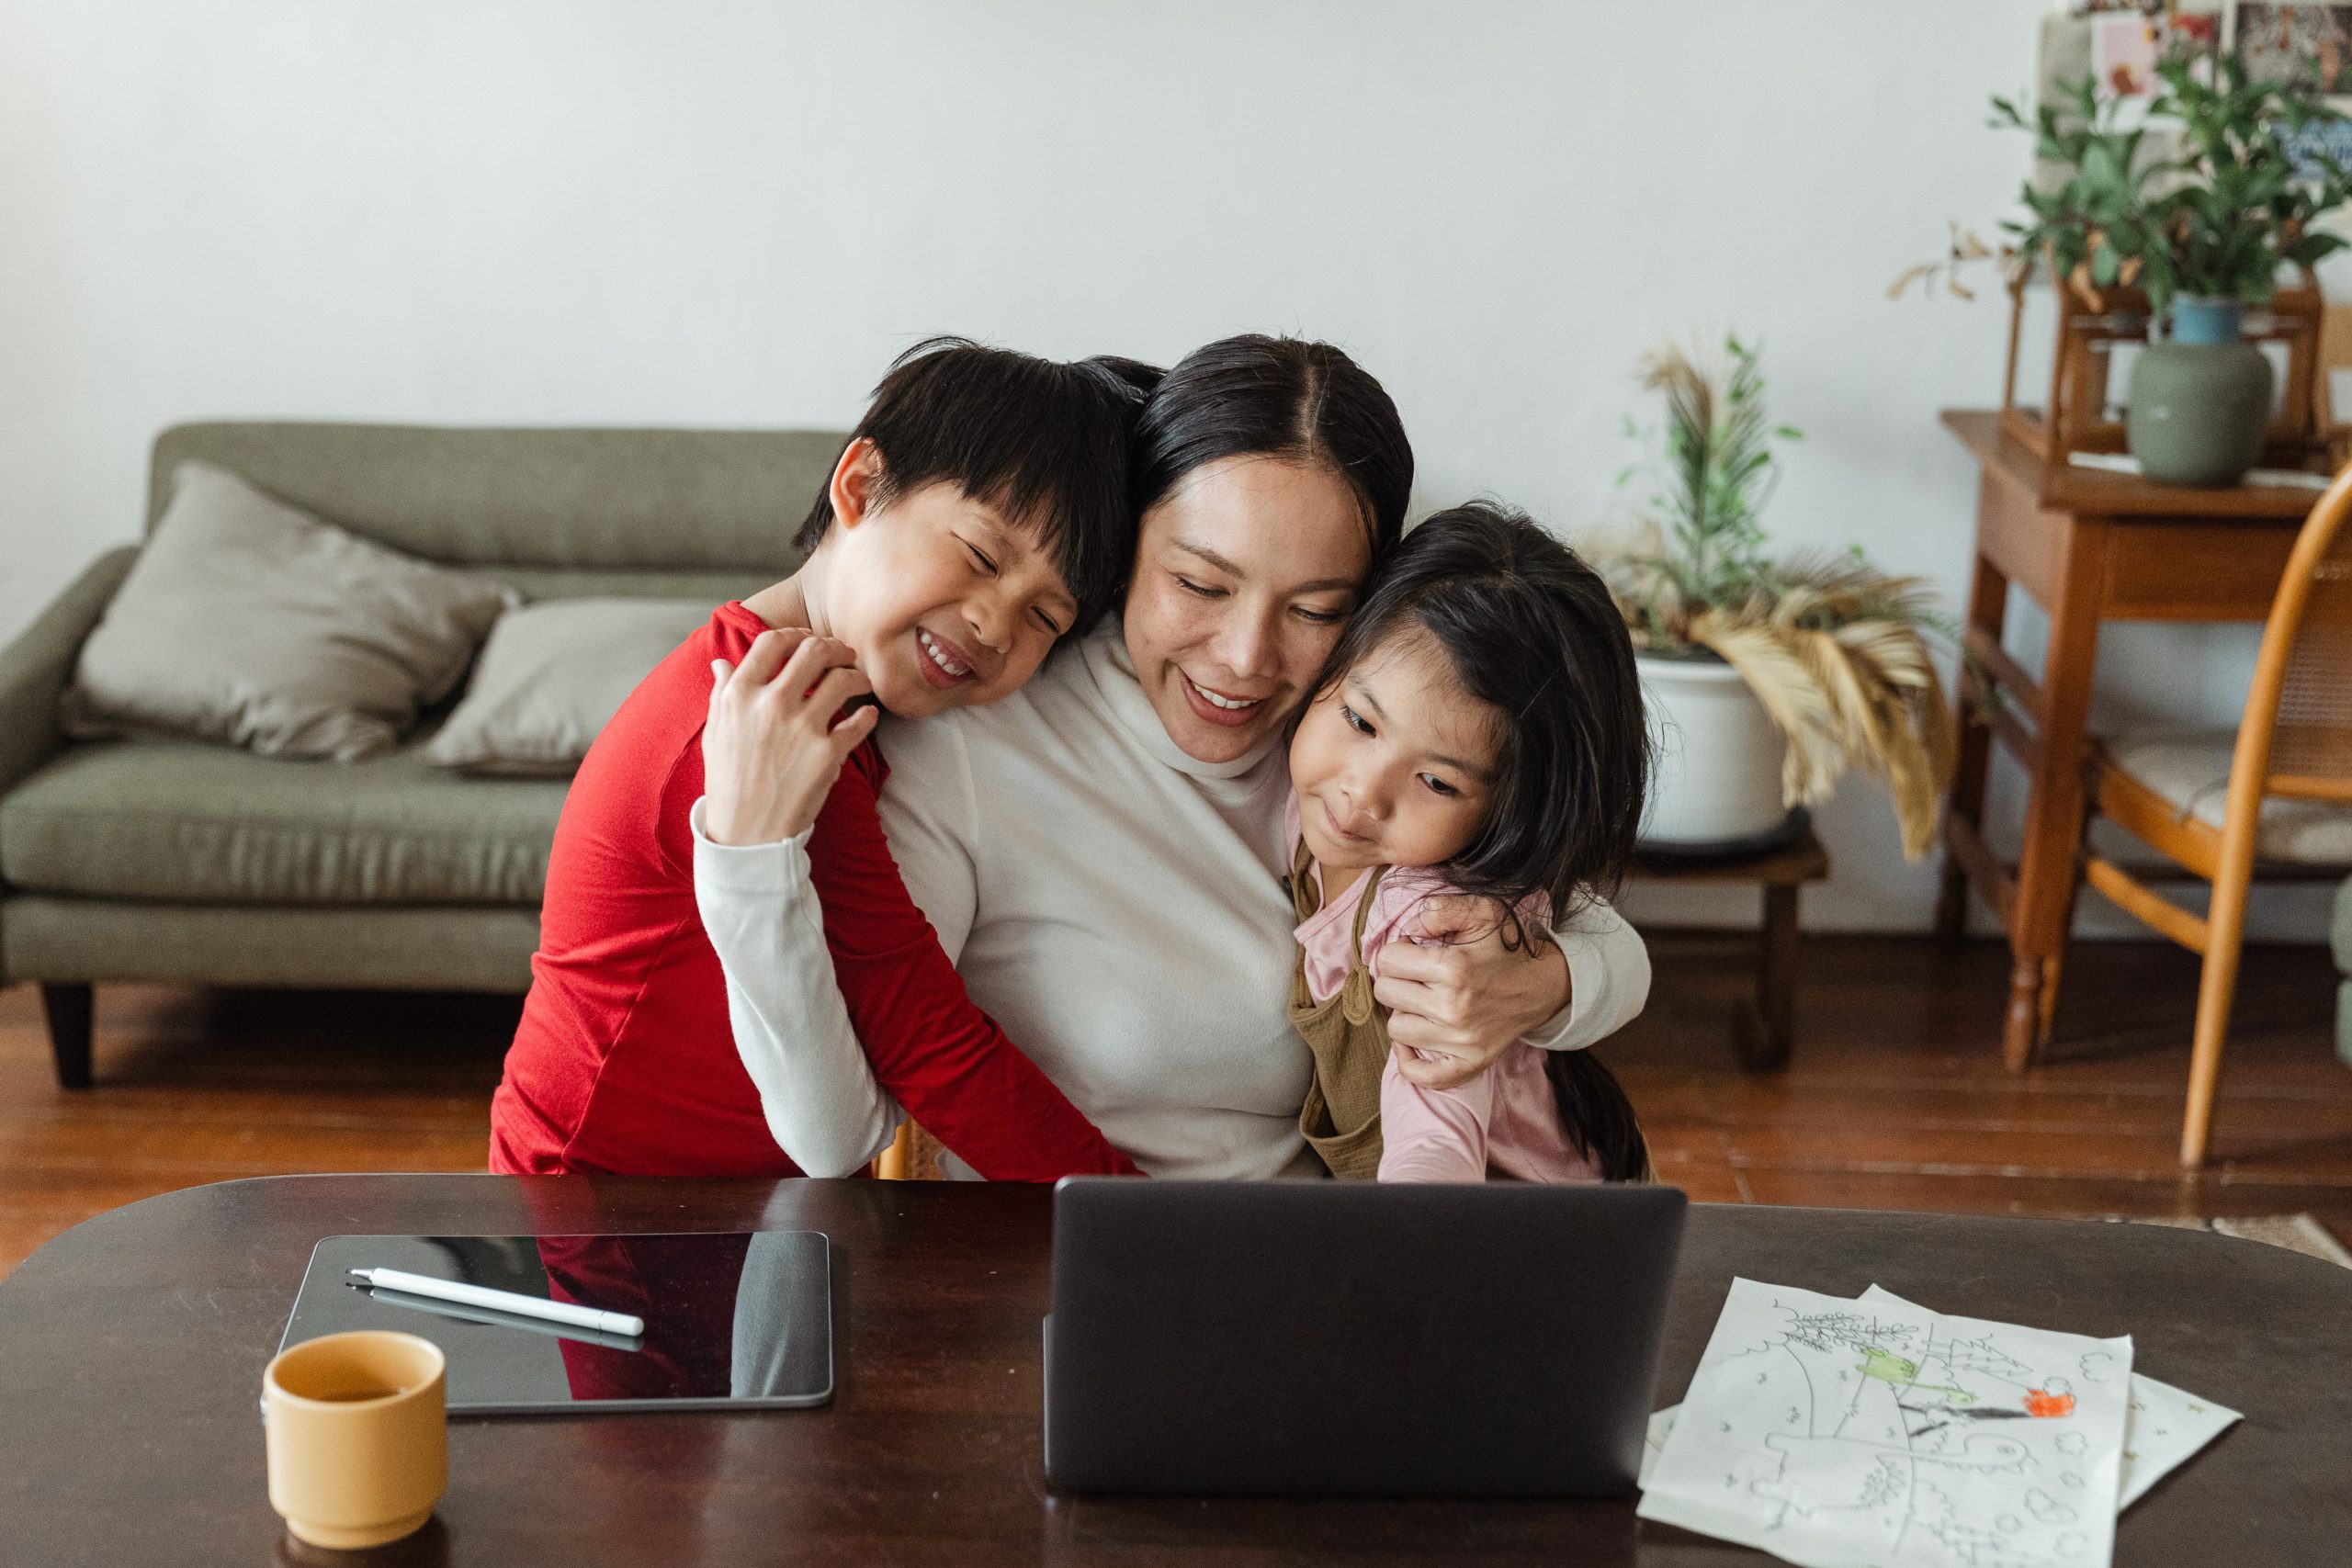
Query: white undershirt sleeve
x=1609, y=978
x=792, y=1029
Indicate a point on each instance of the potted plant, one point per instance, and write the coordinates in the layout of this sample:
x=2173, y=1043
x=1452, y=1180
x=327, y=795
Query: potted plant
x=1765, y=680
x=2200, y=218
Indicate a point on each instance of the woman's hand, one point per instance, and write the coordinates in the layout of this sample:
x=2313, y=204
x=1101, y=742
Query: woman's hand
x=1459, y=1005
x=770, y=747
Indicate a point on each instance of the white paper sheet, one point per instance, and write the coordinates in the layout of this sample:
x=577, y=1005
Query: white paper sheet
x=2163, y=1428
x=1654, y=1442
x=1860, y=1434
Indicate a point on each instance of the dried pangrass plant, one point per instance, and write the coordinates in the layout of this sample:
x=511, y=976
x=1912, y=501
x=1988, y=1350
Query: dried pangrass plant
x=1834, y=649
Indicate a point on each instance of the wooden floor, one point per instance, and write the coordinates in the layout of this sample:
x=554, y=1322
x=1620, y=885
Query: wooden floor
x=1894, y=1099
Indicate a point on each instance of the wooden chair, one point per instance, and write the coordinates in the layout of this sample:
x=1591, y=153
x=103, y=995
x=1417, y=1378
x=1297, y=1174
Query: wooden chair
x=2279, y=792
x=2334, y=424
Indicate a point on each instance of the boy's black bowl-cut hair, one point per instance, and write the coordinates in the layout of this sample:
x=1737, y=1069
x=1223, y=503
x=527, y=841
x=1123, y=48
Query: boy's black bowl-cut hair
x=1044, y=443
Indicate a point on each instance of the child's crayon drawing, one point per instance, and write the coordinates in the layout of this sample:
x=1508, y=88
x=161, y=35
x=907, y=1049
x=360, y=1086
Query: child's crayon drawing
x=1842, y=1434
x=2163, y=1426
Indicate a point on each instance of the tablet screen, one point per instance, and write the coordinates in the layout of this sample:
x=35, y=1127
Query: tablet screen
x=733, y=1320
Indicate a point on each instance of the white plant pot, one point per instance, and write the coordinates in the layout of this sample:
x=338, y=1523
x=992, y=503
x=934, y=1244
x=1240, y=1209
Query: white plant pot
x=1719, y=756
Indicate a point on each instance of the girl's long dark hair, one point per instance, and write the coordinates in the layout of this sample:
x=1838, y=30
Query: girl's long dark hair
x=1598, y=1116
x=1531, y=631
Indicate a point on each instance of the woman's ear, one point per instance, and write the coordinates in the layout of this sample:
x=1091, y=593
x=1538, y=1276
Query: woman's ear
x=856, y=486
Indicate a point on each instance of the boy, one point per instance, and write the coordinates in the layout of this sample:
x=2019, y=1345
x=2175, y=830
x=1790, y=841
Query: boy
x=978, y=514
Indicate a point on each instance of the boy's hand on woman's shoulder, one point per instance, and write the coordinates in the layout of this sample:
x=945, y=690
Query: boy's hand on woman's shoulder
x=770, y=747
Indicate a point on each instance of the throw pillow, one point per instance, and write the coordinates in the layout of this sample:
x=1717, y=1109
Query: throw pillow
x=249, y=622
x=552, y=676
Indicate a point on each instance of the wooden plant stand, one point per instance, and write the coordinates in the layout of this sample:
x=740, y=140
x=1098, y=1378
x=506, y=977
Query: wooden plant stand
x=1764, y=1026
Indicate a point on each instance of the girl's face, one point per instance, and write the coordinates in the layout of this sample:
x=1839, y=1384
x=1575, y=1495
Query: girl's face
x=1394, y=764
x=1244, y=574
x=946, y=601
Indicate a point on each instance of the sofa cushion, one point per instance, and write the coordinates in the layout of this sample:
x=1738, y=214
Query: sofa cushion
x=248, y=621
x=537, y=584
x=439, y=947
x=170, y=820
x=713, y=501
x=552, y=676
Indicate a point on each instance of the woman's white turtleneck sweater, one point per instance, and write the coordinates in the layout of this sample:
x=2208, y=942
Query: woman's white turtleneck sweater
x=1115, y=903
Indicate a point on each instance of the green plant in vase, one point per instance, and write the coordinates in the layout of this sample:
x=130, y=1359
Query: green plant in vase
x=1772, y=677
x=2199, y=219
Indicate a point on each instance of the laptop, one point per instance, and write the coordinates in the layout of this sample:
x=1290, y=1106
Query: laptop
x=1348, y=1338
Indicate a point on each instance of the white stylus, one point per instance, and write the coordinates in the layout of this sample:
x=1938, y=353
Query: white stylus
x=622, y=1323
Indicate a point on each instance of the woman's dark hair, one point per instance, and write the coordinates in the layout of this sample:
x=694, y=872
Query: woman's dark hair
x=1530, y=630
x=1277, y=397
x=1044, y=443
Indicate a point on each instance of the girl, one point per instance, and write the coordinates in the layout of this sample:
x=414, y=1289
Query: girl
x=1477, y=730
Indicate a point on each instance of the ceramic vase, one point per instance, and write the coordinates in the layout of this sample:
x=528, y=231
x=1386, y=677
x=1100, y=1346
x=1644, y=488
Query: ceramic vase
x=1717, y=782
x=2201, y=399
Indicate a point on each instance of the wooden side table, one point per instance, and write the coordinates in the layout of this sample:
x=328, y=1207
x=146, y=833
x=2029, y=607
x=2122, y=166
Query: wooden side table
x=2088, y=547
x=1762, y=1028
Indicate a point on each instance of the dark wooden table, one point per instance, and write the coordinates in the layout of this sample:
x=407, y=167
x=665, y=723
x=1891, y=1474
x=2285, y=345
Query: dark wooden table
x=132, y=1349
x=2088, y=547
x=1762, y=1028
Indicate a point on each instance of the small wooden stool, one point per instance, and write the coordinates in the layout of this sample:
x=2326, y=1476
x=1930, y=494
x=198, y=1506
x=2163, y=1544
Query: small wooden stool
x=1761, y=1028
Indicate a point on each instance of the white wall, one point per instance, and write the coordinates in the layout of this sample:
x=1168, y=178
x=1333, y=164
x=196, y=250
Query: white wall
x=734, y=213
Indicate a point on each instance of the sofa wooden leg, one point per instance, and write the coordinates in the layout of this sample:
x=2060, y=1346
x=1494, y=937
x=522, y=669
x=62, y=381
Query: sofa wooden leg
x=68, y=1007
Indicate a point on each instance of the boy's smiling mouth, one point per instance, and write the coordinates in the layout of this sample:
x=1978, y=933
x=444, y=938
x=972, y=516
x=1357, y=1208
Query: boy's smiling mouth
x=943, y=663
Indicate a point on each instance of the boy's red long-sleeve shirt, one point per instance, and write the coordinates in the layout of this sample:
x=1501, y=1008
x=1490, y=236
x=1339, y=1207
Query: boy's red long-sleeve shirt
x=624, y=1062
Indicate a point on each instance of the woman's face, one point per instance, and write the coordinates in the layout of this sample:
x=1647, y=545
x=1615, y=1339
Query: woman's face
x=1244, y=574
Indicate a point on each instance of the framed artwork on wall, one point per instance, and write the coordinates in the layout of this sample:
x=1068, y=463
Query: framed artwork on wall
x=2118, y=42
x=2304, y=44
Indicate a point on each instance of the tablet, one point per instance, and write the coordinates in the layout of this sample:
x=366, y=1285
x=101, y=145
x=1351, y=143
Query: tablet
x=734, y=1320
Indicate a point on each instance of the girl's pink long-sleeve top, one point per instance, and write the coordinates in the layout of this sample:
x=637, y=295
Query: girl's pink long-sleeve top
x=1506, y=1121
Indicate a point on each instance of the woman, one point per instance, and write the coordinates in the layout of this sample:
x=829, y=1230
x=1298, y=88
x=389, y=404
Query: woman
x=1101, y=852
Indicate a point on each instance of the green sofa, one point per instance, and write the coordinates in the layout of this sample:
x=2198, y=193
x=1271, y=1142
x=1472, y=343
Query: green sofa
x=153, y=860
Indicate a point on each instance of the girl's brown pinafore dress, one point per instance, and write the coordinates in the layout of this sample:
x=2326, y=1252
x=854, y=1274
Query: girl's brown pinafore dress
x=1348, y=1036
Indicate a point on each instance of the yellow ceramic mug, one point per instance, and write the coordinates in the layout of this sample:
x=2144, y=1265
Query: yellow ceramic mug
x=358, y=1437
